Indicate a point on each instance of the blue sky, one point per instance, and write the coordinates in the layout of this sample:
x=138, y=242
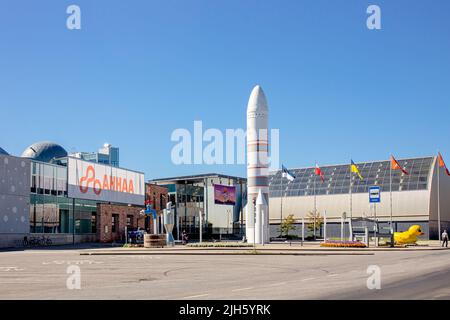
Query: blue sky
x=137, y=70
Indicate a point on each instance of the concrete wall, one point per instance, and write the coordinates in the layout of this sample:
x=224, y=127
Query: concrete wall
x=334, y=229
x=11, y=240
x=16, y=240
x=406, y=205
x=67, y=238
x=444, y=182
x=14, y=199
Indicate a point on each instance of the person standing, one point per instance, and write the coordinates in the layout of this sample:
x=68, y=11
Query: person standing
x=184, y=237
x=444, y=238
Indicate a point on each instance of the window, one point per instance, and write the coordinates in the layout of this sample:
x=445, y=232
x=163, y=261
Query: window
x=114, y=222
x=162, y=205
x=129, y=221
x=94, y=222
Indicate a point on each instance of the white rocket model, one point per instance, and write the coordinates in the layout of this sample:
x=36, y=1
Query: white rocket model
x=257, y=210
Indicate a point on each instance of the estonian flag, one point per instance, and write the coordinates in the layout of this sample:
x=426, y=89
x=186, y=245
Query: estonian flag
x=287, y=174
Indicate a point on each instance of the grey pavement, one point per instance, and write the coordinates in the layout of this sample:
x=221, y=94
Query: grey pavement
x=42, y=274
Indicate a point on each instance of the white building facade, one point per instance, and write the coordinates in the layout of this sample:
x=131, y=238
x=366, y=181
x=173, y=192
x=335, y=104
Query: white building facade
x=414, y=196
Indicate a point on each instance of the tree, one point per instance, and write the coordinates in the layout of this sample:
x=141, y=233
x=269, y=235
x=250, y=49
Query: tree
x=287, y=225
x=314, y=223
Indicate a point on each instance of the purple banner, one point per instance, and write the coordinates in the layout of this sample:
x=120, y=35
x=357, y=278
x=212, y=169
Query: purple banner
x=225, y=195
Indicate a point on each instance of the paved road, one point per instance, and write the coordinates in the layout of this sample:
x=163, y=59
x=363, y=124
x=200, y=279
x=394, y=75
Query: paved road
x=42, y=274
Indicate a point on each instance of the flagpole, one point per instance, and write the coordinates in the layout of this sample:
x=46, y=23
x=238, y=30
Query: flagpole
x=315, y=205
x=281, y=209
x=390, y=192
x=439, y=198
x=351, y=199
x=351, y=206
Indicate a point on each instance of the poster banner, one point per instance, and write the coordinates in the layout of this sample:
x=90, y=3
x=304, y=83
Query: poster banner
x=225, y=195
x=94, y=181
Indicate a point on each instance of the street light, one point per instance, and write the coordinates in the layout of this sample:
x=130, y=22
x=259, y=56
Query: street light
x=343, y=218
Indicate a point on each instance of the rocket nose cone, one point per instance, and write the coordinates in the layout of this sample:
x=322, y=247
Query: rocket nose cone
x=257, y=100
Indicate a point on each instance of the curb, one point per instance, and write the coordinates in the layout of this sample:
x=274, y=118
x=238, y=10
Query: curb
x=300, y=250
x=242, y=253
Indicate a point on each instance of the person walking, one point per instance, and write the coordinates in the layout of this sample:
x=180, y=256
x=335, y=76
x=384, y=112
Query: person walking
x=444, y=238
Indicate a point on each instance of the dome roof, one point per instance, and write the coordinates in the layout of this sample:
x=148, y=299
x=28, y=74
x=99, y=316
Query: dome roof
x=2, y=151
x=44, y=151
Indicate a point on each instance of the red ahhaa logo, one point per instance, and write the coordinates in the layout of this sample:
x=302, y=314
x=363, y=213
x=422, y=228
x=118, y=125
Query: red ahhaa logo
x=111, y=183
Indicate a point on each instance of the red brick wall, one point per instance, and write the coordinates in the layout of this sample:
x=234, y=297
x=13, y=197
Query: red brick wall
x=104, y=221
x=153, y=193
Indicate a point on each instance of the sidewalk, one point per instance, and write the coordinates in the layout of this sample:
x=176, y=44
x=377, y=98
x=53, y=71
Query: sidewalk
x=268, y=249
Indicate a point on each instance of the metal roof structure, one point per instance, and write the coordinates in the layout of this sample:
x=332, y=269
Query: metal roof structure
x=337, y=178
x=44, y=151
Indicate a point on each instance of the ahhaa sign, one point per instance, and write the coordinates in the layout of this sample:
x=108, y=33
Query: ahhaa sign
x=93, y=181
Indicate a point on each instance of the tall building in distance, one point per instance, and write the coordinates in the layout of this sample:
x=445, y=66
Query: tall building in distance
x=106, y=155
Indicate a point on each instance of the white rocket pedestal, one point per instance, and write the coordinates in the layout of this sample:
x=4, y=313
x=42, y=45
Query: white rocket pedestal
x=257, y=168
x=257, y=230
x=261, y=225
x=250, y=224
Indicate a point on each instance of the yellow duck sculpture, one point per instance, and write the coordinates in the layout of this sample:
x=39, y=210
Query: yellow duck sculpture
x=408, y=237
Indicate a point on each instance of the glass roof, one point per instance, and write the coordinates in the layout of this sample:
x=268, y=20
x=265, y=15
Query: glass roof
x=337, y=178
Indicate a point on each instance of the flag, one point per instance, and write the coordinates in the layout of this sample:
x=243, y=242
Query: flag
x=442, y=163
x=354, y=169
x=396, y=166
x=287, y=174
x=319, y=172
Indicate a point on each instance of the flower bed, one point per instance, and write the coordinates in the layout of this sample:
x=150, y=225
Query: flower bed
x=219, y=245
x=343, y=244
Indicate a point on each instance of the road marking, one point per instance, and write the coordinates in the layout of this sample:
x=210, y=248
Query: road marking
x=242, y=289
x=196, y=296
x=276, y=284
x=332, y=275
x=10, y=269
x=307, y=279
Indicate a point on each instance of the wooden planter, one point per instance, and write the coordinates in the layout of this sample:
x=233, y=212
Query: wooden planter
x=154, y=240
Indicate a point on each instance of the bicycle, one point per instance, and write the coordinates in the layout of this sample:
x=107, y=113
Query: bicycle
x=36, y=241
x=45, y=241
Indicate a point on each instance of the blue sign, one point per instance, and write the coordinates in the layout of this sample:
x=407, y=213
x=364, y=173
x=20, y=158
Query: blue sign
x=375, y=194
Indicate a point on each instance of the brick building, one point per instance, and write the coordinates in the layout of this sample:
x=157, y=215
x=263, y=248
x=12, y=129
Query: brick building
x=113, y=218
x=157, y=197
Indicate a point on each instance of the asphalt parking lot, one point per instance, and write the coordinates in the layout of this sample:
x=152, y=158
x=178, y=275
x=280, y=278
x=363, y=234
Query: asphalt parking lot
x=43, y=274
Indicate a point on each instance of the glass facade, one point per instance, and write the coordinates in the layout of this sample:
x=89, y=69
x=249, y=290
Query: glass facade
x=51, y=211
x=189, y=201
x=337, y=178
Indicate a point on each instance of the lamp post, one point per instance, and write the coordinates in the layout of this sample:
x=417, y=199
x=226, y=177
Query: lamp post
x=343, y=217
x=201, y=226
